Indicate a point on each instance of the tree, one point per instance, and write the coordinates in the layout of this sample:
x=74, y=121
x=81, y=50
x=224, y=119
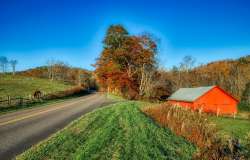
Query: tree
x=3, y=63
x=57, y=70
x=246, y=94
x=162, y=85
x=187, y=63
x=60, y=70
x=115, y=36
x=13, y=64
x=51, y=69
x=124, y=62
x=146, y=81
x=183, y=71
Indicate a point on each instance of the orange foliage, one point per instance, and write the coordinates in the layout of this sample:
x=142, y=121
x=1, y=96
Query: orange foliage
x=118, y=68
x=231, y=75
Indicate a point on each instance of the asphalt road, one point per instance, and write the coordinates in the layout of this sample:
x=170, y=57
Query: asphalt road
x=22, y=129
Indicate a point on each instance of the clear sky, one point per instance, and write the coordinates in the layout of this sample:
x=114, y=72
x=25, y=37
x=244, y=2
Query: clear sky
x=33, y=31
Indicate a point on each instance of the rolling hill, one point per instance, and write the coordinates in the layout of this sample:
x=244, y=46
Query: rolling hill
x=15, y=86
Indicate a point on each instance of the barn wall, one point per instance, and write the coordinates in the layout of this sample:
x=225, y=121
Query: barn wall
x=217, y=101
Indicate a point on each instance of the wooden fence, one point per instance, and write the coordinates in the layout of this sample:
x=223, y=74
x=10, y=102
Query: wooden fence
x=16, y=101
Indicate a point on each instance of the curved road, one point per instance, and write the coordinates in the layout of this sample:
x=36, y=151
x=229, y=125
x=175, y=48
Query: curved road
x=22, y=129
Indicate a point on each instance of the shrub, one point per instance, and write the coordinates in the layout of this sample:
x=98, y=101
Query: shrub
x=244, y=106
x=69, y=92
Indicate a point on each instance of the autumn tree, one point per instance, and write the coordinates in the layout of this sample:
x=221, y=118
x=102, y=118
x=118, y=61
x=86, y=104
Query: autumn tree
x=115, y=36
x=125, y=62
x=246, y=94
x=187, y=63
x=50, y=67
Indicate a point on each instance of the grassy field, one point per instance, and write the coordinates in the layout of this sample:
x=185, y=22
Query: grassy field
x=23, y=86
x=238, y=127
x=118, y=131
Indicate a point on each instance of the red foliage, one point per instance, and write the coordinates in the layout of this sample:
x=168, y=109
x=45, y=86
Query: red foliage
x=118, y=68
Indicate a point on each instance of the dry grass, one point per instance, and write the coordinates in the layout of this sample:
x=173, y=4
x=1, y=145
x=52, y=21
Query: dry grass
x=195, y=127
x=192, y=125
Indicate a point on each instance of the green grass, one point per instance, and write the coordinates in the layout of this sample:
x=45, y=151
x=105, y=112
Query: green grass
x=16, y=86
x=238, y=127
x=114, y=97
x=118, y=131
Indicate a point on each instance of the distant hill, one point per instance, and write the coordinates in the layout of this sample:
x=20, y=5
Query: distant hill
x=63, y=73
x=58, y=72
x=242, y=62
x=40, y=72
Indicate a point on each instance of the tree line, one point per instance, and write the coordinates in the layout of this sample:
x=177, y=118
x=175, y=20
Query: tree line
x=53, y=70
x=5, y=63
x=56, y=70
x=231, y=75
x=127, y=66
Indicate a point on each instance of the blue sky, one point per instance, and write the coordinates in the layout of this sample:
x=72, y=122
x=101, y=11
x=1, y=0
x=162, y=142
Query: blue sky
x=33, y=31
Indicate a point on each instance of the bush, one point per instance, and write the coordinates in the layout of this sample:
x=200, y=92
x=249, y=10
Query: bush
x=244, y=106
x=70, y=92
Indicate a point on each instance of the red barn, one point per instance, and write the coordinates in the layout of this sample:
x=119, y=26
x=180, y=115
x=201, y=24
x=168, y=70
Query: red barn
x=211, y=99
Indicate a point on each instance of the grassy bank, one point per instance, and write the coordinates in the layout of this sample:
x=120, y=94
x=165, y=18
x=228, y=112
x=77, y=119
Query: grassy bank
x=16, y=86
x=118, y=131
x=237, y=127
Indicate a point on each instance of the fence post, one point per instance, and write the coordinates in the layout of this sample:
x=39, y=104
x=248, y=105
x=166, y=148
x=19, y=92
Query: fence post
x=21, y=101
x=182, y=126
x=9, y=100
x=218, y=112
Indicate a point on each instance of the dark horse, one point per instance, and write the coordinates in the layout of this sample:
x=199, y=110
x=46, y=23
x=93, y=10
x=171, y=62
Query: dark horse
x=37, y=94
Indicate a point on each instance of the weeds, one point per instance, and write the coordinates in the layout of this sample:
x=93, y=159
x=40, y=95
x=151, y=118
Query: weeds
x=195, y=127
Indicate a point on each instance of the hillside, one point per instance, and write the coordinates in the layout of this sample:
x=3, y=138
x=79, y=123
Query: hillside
x=118, y=131
x=24, y=86
x=231, y=75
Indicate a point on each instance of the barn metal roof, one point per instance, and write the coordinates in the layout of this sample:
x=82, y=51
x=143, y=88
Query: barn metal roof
x=189, y=94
